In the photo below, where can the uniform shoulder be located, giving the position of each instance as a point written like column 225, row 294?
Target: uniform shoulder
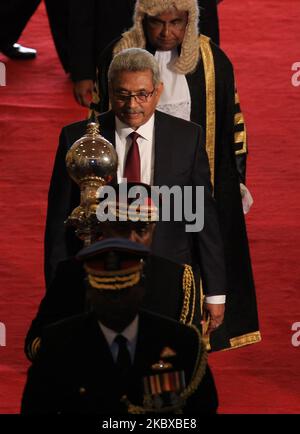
column 161, row 263
column 68, row 272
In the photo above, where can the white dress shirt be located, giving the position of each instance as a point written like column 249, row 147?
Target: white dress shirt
column 130, row 333
column 146, row 148
column 175, row 99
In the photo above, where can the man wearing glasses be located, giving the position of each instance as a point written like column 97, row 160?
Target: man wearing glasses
column 153, row 148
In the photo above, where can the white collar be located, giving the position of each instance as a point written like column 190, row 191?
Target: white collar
column 176, row 97
column 145, row 130
column 130, row 332
column 167, row 57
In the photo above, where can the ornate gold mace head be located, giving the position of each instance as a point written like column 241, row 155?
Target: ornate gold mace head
column 91, row 162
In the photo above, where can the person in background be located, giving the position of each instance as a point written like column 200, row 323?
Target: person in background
column 15, row 14
column 92, row 26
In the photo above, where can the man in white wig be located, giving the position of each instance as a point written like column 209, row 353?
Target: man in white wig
column 199, row 85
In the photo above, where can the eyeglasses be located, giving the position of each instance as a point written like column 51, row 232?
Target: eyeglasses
column 140, row 97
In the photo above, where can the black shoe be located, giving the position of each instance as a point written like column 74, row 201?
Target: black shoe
column 16, row 51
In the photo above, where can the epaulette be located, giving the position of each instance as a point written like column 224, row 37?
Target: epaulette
column 189, row 296
column 33, row 348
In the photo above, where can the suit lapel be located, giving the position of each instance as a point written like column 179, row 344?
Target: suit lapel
column 107, row 127
column 162, row 150
column 95, row 373
column 97, row 354
column 108, row 131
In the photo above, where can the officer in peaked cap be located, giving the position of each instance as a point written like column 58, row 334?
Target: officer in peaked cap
column 169, row 287
column 118, row 358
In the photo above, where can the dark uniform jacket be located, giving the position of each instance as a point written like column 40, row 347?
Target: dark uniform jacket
column 75, row 372
column 66, row 295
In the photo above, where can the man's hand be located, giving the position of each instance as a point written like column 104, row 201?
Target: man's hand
column 247, row 199
column 83, row 92
column 216, row 314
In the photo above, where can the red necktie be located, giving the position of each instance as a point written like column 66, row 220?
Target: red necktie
column 132, row 169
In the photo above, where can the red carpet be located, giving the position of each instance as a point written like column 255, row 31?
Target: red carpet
column 262, row 40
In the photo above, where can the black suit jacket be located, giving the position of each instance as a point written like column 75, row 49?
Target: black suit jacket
column 92, row 25
column 75, row 372
column 180, row 159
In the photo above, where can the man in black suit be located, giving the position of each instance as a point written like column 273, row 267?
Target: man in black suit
column 171, row 154
column 88, row 363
